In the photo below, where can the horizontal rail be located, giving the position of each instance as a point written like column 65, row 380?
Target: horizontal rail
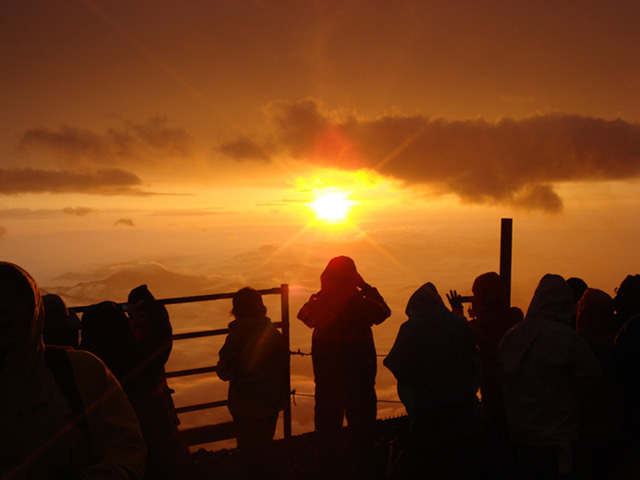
column 191, row 371
column 201, row 406
column 210, row 333
column 191, row 299
column 203, row 333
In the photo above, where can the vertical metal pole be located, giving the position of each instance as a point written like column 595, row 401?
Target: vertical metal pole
column 286, row 333
column 506, row 247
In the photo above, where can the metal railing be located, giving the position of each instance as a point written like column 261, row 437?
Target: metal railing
column 224, row 431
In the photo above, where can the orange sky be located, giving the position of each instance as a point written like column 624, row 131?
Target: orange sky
column 143, row 140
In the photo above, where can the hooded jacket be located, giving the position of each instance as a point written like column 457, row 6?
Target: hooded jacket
column 38, row 438
column 341, row 315
column 253, row 359
column 345, row 308
column 545, row 367
column 434, row 357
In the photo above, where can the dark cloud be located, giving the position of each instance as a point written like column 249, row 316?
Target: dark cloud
column 244, row 148
column 78, row 211
column 513, row 162
column 128, row 222
column 139, row 142
column 110, row 181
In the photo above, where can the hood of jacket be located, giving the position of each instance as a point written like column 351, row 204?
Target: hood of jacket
column 19, row 362
column 596, row 320
column 551, row 310
column 425, row 302
column 553, row 301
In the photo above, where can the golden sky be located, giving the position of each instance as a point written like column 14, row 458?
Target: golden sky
column 150, row 139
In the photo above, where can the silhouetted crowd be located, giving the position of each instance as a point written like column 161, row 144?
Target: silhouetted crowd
column 550, row 394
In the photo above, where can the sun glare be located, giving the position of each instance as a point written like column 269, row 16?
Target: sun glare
column 331, row 206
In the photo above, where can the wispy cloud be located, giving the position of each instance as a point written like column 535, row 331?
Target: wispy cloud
column 127, row 222
column 78, row 211
column 131, row 143
column 108, row 181
column 513, row 162
column 243, row 148
column 3, row 231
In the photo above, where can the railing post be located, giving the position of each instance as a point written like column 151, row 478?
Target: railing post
column 506, row 250
column 286, row 333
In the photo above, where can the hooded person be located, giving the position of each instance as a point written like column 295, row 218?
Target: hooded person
column 61, row 326
column 344, row 360
column 68, row 421
column 597, row 448
column 106, row 332
column 546, row 367
column 168, row 454
column 435, row 361
column 254, row 360
column 627, row 299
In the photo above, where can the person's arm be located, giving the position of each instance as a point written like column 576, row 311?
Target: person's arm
column 117, row 445
column 308, row 311
column 226, row 361
column 377, row 309
column 455, row 301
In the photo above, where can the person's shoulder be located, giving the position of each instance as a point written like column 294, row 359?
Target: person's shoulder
column 86, row 363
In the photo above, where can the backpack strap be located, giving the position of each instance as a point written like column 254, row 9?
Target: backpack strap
column 62, row 371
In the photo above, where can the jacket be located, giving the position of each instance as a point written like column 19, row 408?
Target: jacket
column 254, row 359
column 38, row 436
column 434, row 357
column 545, row 367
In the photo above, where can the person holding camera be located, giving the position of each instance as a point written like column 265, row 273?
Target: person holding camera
column 344, row 361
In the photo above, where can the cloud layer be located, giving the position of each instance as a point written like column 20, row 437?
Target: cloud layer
column 138, row 143
column 77, row 160
column 513, row 162
column 109, row 181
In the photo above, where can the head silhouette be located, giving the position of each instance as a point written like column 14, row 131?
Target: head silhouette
column 20, row 308
column 627, row 299
column 247, row 303
column 489, row 293
column 340, row 274
column 578, row 286
column 61, row 327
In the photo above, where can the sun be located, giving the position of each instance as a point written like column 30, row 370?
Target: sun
column 331, row 206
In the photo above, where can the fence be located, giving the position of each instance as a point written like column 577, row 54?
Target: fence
column 223, row 431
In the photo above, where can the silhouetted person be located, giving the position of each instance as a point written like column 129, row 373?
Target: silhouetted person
column 106, row 334
column 63, row 414
column 626, row 360
column 168, row 455
column 578, row 286
column 598, row 446
column 491, row 316
column 344, row 362
column 254, row 359
column 61, row 326
column 627, row 299
column 546, row 366
column 435, row 361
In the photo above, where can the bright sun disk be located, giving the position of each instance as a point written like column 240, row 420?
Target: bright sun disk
column 332, row 206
